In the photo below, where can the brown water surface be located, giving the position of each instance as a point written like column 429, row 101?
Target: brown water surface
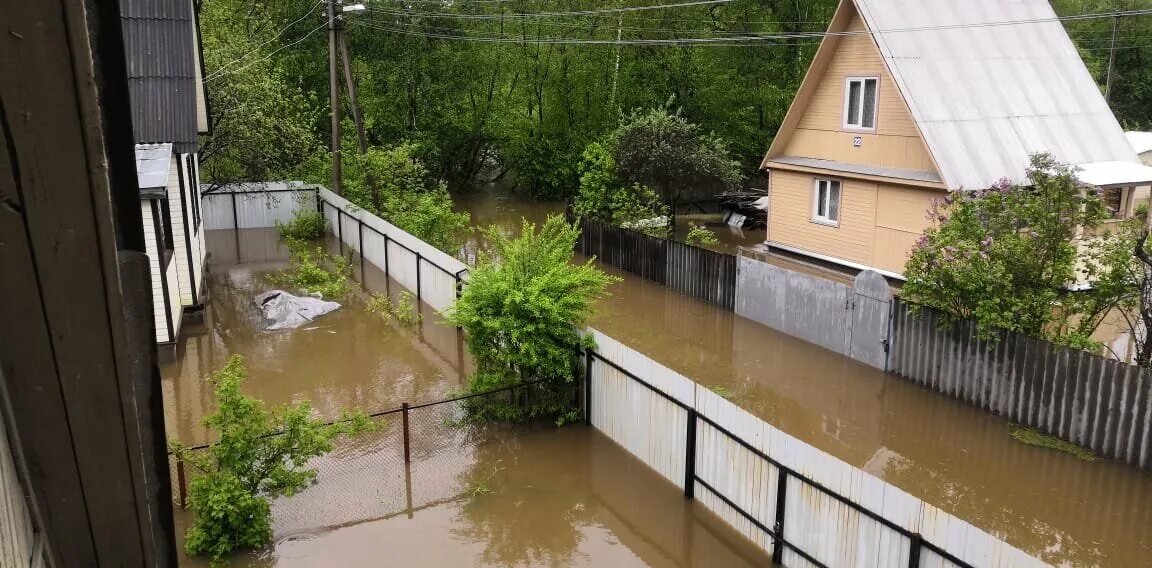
column 954, row 456
column 472, row 496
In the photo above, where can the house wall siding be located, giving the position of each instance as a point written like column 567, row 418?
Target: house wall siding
column 896, row 142
column 158, row 304
column 879, row 222
column 176, row 207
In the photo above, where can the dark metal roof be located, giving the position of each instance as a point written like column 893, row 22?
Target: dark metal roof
column 159, row 39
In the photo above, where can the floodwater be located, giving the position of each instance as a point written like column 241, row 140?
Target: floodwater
column 1066, row 511
column 472, row 496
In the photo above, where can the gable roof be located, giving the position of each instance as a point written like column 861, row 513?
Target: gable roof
column 159, row 46
column 1141, row 141
column 985, row 97
column 988, row 83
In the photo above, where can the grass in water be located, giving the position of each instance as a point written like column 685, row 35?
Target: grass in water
column 1034, row 437
column 723, row 392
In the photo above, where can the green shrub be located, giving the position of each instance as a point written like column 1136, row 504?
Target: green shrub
column 314, row 271
column 521, row 314
column 698, row 235
column 260, row 454
column 404, row 310
column 305, row 225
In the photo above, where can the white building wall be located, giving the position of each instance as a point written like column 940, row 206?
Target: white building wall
column 158, row 305
column 176, row 201
column 200, row 247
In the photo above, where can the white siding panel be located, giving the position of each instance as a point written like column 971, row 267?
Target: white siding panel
column 823, row 526
column 151, row 249
column 174, row 297
column 176, row 205
column 396, row 252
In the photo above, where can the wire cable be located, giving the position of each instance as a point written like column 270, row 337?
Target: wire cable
column 218, row 75
column 265, row 42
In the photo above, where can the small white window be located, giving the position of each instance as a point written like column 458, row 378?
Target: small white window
column 826, row 202
column 860, row 103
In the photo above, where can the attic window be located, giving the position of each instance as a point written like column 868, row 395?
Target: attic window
column 860, row 103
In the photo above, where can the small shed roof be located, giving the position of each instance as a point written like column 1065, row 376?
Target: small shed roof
column 990, row 82
column 1114, row 174
column 152, row 164
column 1140, row 141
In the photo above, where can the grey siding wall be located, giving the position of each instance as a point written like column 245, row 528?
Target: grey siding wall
column 850, row 320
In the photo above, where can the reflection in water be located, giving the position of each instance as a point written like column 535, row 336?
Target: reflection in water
column 556, row 497
column 490, row 496
column 954, row 456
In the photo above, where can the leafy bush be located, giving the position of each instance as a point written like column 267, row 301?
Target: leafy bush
column 306, row 225
column 259, row 454
column 1004, row 256
column 394, row 184
column 603, row 198
column 404, row 310
column 521, row 314
column 314, row 271
column 698, row 235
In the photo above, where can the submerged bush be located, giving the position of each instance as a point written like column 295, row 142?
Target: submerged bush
column 698, row 235
column 314, row 271
column 305, row 225
column 521, row 311
column 404, row 310
column 260, row 454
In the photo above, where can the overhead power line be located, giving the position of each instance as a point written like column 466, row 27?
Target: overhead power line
column 217, row 75
column 258, row 47
column 514, row 15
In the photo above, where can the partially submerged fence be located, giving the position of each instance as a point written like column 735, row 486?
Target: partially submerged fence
column 433, row 275
column 1095, row 402
column 698, row 272
column 850, row 320
column 801, row 505
column 421, row 455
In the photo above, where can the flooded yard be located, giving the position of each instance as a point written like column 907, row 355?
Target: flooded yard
column 1066, row 511
column 492, row 496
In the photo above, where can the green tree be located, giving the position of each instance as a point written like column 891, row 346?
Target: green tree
column 394, row 183
column 259, row 454
column 1005, row 256
column 1120, row 267
column 603, row 197
column 662, row 150
column 521, row 310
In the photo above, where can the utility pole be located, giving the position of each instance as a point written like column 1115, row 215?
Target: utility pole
column 350, row 84
column 1111, row 60
column 334, row 94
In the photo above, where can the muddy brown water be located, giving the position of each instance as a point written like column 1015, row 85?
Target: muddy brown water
column 956, row 457
column 536, row 496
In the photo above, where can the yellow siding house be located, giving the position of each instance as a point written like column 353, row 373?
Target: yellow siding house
column 908, row 99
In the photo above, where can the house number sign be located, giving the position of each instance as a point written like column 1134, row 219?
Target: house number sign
column 857, row 141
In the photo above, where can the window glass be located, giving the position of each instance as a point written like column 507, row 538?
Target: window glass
column 854, row 102
column 833, row 201
column 868, row 116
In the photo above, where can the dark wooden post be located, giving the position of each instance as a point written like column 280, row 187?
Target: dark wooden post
column 407, row 442
column 182, row 481
column 690, row 456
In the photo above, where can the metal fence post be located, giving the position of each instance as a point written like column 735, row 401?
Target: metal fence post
column 407, row 443
column 778, row 528
column 588, row 386
column 387, row 272
column 340, row 228
column 419, row 295
column 360, row 227
column 182, row 482
column 690, row 456
column 915, row 543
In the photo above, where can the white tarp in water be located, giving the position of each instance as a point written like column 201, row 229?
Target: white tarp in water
column 286, row 311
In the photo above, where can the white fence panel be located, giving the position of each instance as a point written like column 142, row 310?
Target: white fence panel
column 830, row 507
column 422, row 268
column 249, row 207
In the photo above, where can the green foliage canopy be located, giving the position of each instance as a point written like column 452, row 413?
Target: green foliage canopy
column 1005, row 256
column 521, row 310
column 260, row 453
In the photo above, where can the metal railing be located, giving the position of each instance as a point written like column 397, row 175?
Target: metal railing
column 917, row 544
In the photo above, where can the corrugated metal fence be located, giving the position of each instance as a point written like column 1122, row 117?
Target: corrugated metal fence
column 799, row 504
column 698, row 272
column 433, row 275
column 1092, row 401
column 850, row 320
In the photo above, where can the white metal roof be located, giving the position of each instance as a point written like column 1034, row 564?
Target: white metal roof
column 985, row 97
column 1114, row 174
column 152, row 163
column 1141, row 141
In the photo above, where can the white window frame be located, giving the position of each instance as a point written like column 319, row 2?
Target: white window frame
column 875, row 104
column 825, row 219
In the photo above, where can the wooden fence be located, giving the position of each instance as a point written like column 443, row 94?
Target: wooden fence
column 1095, row 402
column 698, row 272
column 797, row 503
